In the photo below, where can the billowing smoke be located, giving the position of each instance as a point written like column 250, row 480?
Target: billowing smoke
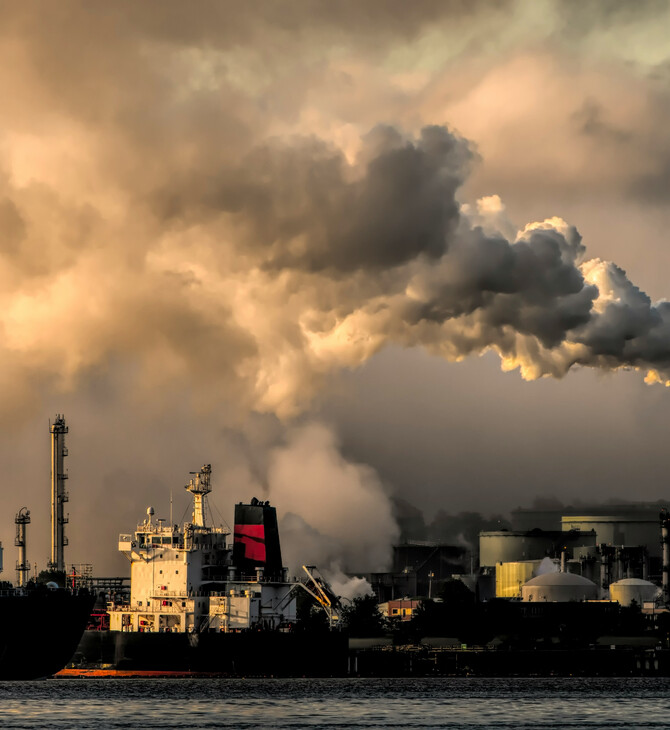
column 307, row 264
column 295, row 263
column 202, row 209
column 165, row 209
column 334, row 514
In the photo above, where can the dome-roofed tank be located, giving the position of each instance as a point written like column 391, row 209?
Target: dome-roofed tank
column 561, row 587
column 633, row 589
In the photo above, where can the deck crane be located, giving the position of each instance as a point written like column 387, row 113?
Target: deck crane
column 321, row 592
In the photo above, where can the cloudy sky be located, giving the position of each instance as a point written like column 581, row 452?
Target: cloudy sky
column 347, row 253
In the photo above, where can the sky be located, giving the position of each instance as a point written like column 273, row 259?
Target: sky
column 354, row 255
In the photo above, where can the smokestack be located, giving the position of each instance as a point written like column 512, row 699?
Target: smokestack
column 58, row 494
column 256, row 540
column 665, row 542
column 22, row 564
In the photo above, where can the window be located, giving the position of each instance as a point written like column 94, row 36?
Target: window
column 176, row 572
column 161, row 572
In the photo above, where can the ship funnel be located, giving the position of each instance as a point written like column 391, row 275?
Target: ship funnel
column 256, row 541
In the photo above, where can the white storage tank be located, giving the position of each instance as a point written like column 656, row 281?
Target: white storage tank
column 633, row 589
column 559, row 587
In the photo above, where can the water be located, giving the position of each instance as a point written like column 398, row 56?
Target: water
column 335, row 703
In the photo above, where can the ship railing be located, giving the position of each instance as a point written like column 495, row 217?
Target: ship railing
column 157, row 595
column 5, row 592
column 120, row 608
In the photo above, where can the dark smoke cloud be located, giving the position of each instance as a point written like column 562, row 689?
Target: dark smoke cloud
column 193, row 208
column 305, row 214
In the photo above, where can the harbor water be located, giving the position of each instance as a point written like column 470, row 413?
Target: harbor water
column 336, row 703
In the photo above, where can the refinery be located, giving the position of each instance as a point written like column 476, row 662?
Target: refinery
column 565, row 591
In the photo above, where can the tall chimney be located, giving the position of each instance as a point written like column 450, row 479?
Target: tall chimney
column 22, row 565
column 665, row 542
column 59, row 496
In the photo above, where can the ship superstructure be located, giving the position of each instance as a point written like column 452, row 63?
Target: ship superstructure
column 184, row 578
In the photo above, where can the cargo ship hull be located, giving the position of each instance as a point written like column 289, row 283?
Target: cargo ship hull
column 39, row 631
column 254, row 653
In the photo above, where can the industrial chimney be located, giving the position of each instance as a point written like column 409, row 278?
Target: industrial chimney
column 665, row 542
column 22, row 565
column 59, row 496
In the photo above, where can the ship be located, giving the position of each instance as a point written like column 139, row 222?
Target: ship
column 40, row 628
column 205, row 601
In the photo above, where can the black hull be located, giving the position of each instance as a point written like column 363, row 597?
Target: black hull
column 39, row 632
column 247, row 654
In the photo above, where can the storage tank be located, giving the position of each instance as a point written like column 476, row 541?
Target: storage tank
column 559, row 587
column 633, row 589
column 511, row 546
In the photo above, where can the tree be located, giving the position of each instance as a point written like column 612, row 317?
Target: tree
column 52, row 576
column 363, row 618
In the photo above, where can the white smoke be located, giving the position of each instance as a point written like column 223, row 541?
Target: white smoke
column 334, row 514
column 547, row 565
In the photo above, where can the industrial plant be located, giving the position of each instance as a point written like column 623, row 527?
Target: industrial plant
column 553, row 593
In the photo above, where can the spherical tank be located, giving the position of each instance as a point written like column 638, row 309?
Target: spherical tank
column 633, row 589
column 559, row 587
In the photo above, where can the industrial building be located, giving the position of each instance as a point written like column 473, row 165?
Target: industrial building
column 614, row 524
column 419, row 569
column 402, row 609
column 605, row 564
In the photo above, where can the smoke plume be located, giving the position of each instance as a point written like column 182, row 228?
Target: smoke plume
column 307, row 264
column 214, row 211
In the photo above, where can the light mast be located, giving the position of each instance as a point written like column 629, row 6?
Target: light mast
column 199, row 487
column 22, row 565
column 59, row 496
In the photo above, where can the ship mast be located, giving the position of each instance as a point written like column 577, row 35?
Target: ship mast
column 59, row 496
column 199, row 487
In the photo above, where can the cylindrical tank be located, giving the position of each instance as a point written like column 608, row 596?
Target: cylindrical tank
column 633, row 589
column 559, row 587
column 510, row 546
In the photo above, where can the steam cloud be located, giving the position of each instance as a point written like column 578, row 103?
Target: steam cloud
column 179, row 211
column 307, row 264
